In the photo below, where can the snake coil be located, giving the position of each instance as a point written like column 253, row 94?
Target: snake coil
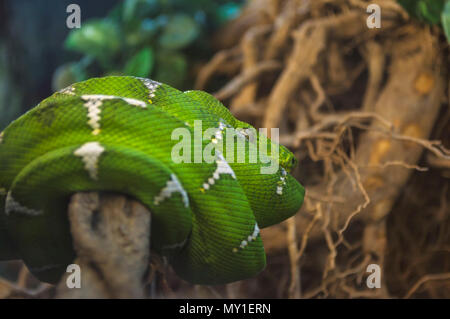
column 118, row 134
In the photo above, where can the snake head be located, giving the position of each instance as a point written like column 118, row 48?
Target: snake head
column 288, row 161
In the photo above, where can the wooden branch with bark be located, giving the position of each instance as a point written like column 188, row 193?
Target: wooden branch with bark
column 111, row 236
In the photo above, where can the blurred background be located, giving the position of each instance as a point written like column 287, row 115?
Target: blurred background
column 366, row 111
column 165, row 40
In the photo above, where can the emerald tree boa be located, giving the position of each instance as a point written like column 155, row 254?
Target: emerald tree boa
column 128, row 135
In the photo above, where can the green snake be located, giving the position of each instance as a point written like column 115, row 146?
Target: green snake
column 116, row 134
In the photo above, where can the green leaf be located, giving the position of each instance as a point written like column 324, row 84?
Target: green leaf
column 228, row 11
column 144, row 33
column 424, row 10
column 180, row 31
column 99, row 38
column 445, row 18
column 430, row 11
column 171, row 68
column 129, row 9
column 138, row 9
column 141, row 64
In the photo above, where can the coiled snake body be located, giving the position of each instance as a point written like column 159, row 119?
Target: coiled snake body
column 116, row 134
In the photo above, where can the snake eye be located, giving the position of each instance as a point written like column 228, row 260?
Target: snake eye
column 293, row 162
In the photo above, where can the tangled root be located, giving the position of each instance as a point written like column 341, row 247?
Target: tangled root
column 358, row 107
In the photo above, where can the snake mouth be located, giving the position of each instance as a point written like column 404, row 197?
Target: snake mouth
column 188, row 238
column 176, row 248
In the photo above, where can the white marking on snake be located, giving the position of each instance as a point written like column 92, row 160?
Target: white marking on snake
column 241, row 134
column 1, row 137
column 101, row 97
column 93, row 106
column 93, row 103
column 173, row 185
column 151, row 85
column 174, row 246
column 282, row 182
column 90, row 153
column 70, row 90
column 12, row 206
column 222, row 168
column 249, row 239
column 135, row 102
column 244, row 133
column 219, row 133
